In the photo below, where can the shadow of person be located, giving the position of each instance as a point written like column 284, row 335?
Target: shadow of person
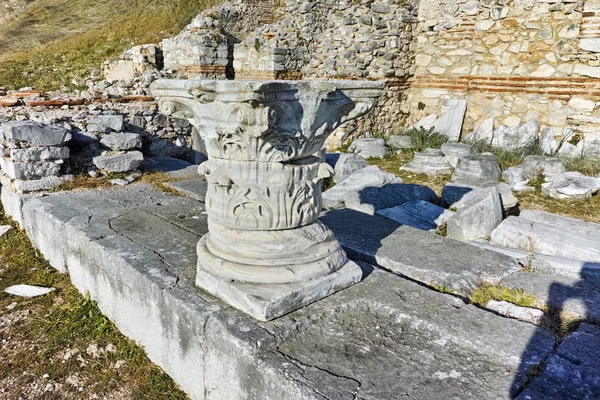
column 572, row 370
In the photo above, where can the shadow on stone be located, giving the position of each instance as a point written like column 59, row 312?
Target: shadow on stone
column 572, row 371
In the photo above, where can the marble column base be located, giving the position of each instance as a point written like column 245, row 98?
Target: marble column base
column 267, row 301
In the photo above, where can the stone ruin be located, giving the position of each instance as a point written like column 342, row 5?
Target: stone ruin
column 251, row 231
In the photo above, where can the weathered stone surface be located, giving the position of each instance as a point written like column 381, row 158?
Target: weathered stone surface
column 515, row 176
column 525, row 314
column 523, row 234
column 423, row 256
column 545, row 264
column 483, row 133
column 451, row 121
column 567, row 223
column 39, row 154
column 28, row 290
column 455, row 151
column 122, row 141
column 370, row 148
column 29, row 170
column 194, row 188
column 113, row 122
column 36, row 185
column 547, row 166
column 477, row 170
column 419, row 214
column 372, row 199
column 573, row 371
column 430, row 162
column 368, row 177
column 400, row 142
column 571, row 185
column 516, row 137
column 347, row 164
column 119, row 162
column 34, row 133
column 173, row 167
column 150, row 249
column 427, row 122
column 480, row 212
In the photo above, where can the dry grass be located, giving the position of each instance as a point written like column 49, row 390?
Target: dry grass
column 84, row 182
column 60, row 346
column 53, row 41
column 586, row 210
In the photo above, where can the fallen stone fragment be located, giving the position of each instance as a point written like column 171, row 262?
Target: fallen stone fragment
column 34, row 133
column 370, row 148
column 483, row 133
column 571, row 185
column 451, row 121
column 567, row 223
column 400, row 142
column 525, row 314
column 452, row 194
column 419, row 214
column 371, row 176
column 479, row 214
column 347, row 164
column 8, row 102
column 453, row 152
column 122, row 141
column 521, row 233
column 547, row 166
column 515, row 176
column 426, row 123
column 28, row 290
column 430, row 162
column 477, row 170
column 516, row 137
column 120, row 162
column 4, row 229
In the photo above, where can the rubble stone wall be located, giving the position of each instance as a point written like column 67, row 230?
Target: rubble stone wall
column 514, row 61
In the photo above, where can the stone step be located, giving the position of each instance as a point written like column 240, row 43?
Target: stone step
column 567, row 223
column 523, row 234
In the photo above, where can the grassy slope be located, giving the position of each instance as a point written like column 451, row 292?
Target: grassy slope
column 53, row 41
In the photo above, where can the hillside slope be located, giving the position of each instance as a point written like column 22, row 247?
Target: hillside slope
column 48, row 43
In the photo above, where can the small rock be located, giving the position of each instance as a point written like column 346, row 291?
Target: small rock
column 120, row 162
column 525, row 314
column 4, row 229
column 122, row 141
column 28, row 290
column 119, row 182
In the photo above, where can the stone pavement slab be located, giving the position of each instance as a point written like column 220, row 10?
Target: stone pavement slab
column 422, row 256
column 194, row 188
column 132, row 248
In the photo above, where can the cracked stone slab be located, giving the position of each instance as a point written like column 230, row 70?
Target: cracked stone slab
column 120, row 245
column 419, row 255
column 573, row 371
column 396, row 338
column 193, row 188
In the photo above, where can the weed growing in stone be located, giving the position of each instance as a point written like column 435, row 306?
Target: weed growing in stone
column 483, row 294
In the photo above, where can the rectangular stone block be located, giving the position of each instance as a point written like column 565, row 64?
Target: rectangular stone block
column 39, row 154
column 30, row 170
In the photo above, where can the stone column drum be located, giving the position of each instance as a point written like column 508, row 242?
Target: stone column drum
column 266, row 252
